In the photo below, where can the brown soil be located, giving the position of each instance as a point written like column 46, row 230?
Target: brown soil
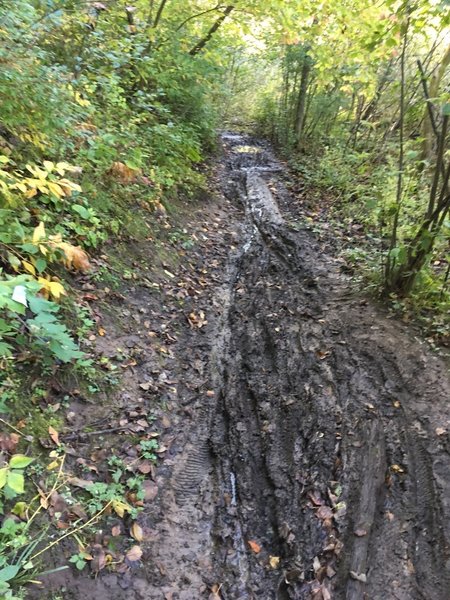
column 319, row 468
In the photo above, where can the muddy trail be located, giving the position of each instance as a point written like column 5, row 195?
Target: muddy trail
column 317, row 464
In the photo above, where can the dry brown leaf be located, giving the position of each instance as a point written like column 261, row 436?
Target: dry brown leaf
column 77, row 482
column 54, row 435
column 75, row 257
column 324, row 512
column 122, row 172
column 145, row 467
column 99, row 558
column 9, row 442
column 360, row 532
column 256, row 548
column 136, row 532
column 150, row 490
column 215, row 592
column 134, row 553
column 116, row 530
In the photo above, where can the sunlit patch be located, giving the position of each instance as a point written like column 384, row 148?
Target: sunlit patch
column 248, row 149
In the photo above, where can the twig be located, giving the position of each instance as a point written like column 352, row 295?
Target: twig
column 12, row 426
column 69, row 533
column 74, row 436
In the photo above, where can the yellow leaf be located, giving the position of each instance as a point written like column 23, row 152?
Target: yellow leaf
column 53, row 465
column 22, row 187
column 274, row 562
column 49, row 165
column 56, row 290
column 39, row 233
column 29, row 267
column 43, row 249
column 32, row 192
column 56, row 189
column 120, row 507
column 52, row 288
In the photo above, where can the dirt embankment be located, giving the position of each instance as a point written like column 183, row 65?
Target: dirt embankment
column 319, row 467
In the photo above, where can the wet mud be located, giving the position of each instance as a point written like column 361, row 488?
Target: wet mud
column 311, row 452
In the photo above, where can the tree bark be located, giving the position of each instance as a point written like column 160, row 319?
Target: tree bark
column 301, row 103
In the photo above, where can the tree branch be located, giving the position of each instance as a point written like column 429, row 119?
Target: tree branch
column 205, row 12
column 202, row 43
column 159, row 14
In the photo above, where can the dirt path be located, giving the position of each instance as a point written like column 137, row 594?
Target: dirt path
column 319, row 467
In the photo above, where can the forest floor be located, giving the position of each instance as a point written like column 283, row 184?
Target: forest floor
column 305, row 433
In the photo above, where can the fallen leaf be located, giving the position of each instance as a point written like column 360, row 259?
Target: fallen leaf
column 8, row 442
column 150, row 490
column 134, row 554
column 54, row 435
column 397, row 469
column 145, row 467
column 136, row 532
column 316, row 564
column 81, row 483
column 99, row 558
column 116, row 530
column 256, row 548
column 101, row 331
column 358, row 576
column 324, row 512
column 120, row 508
column 274, row 562
column 325, row 593
column 53, row 465
column 360, row 532
column 215, row 592
column 440, row 431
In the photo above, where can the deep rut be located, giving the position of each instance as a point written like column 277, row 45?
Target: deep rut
column 326, row 423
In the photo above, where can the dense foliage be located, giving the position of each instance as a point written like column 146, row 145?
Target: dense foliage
column 364, row 86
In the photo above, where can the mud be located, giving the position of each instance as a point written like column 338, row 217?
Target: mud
column 319, row 469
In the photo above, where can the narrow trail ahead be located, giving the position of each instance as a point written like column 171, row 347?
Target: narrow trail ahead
column 326, row 443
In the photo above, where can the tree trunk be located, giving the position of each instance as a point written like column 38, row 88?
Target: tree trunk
column 301, row 102
column 435, row 82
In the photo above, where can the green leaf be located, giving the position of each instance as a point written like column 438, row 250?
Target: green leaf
column 41, row 265
column 16, row 482
column 446, row 109
column 20, row 461
column 3, row 476
column 9, row 572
